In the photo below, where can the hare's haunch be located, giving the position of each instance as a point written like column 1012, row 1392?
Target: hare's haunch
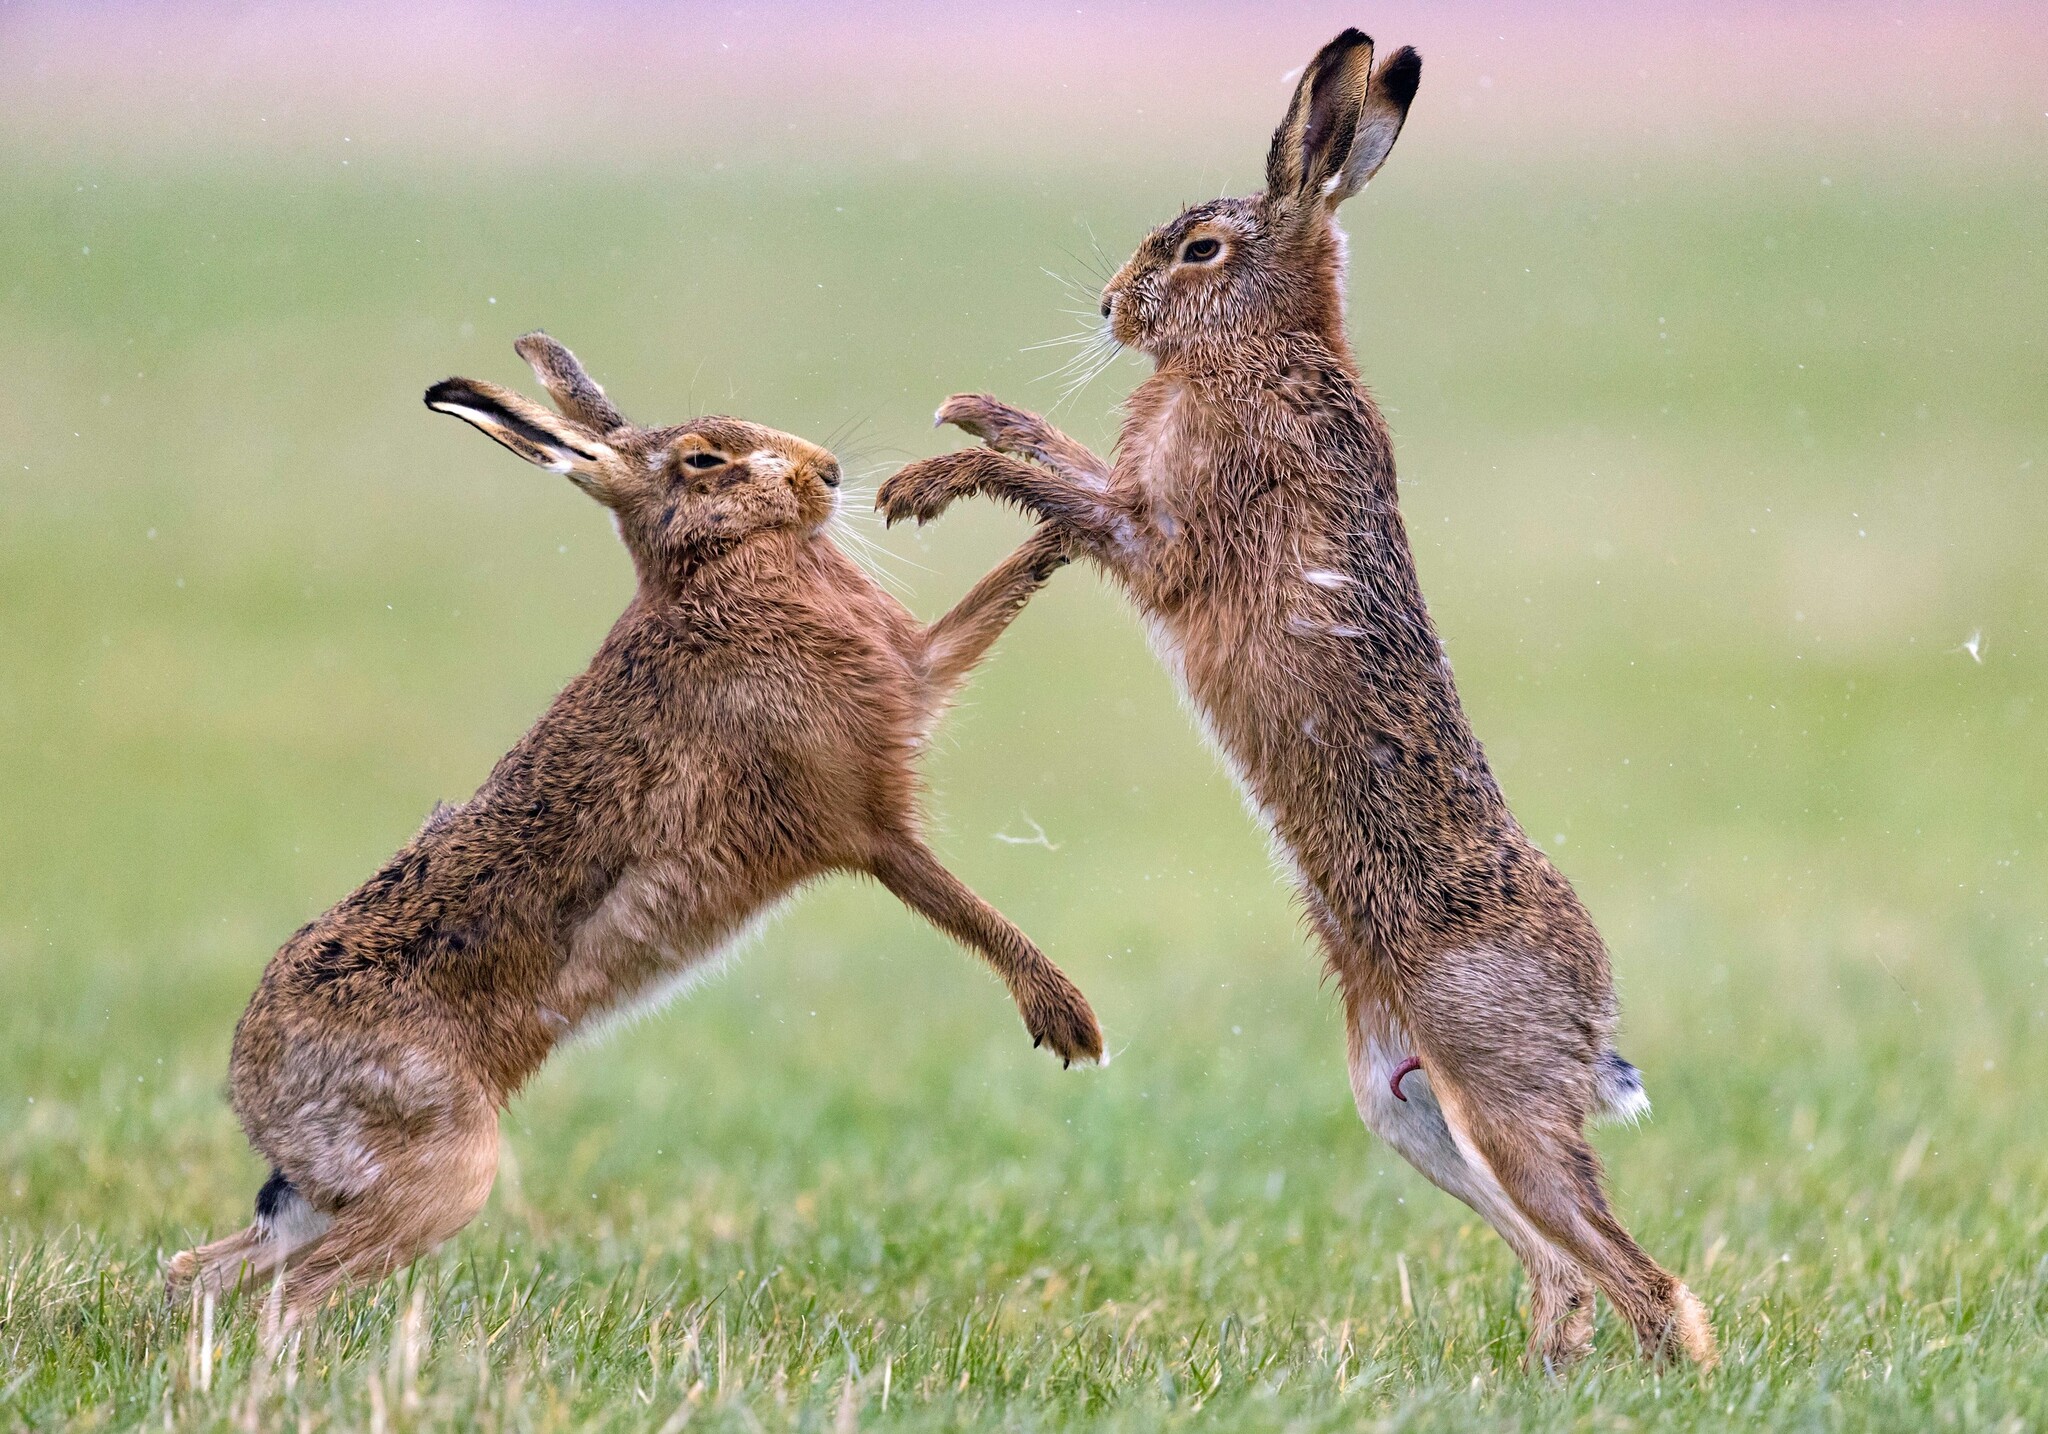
column 1251, row 514
column 750, row 723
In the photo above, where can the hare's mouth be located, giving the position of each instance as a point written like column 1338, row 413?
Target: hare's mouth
column 825, row 515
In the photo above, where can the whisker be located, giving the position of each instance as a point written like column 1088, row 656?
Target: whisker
column 872, row 556
column 1082, row 362
column 845, row 431
column 1061, row 342
column 1080, row 358
column 1075, row 291
column 1087, row 264
column 1107, row 356
column 1096, row 245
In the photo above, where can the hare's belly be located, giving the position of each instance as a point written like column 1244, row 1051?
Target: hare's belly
column 652, row 938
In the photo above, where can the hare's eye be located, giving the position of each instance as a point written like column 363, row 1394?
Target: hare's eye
column 1200, row 251
column 701, row 459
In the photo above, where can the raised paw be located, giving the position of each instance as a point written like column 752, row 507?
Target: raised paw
column 1061, row 1018
column 1001, row 427
column 920, row 491
column 1017, row 434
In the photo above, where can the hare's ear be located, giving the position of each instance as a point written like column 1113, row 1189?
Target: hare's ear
column 1379, row 122
column 1309, row 148
column 575, row 392
column 559, row 445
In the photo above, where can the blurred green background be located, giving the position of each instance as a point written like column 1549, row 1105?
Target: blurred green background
column 1726, row 486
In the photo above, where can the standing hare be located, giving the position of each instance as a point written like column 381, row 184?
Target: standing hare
column 1251, row 515
column 750, row 723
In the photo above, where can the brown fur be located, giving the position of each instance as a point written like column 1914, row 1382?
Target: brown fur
column 750, row 724
column 1251, row 514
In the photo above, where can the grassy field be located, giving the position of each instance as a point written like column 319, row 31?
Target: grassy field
column 1713, row 477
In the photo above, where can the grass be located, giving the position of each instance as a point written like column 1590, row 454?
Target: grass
column 1711, row 476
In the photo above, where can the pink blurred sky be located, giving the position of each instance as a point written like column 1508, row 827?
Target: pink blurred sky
column 620, row 84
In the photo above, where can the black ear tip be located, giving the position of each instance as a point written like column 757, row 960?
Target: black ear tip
column 1402, row 75
column 1343, row 45
column 448, row 390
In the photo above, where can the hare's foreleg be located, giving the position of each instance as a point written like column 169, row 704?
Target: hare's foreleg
column 1400, row 1107
column 1514, row 1095
column 957, row 641
column 1023, row 435
column 1086, row 512
column 1054, row 1010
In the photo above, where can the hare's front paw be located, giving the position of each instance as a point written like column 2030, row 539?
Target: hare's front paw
column 1061, row 1018
column 921, row 491
column 1001, row 427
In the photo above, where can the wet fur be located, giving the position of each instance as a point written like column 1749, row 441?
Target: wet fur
column 751, row 723
column 1251, row 513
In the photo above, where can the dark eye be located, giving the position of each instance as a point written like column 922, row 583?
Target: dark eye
column 701, row 459
column 1200, row 251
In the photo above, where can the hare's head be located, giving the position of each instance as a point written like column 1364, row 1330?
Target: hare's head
column 682, row 494
column 1271, row 262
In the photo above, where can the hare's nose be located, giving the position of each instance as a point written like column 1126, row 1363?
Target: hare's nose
column 828, row 472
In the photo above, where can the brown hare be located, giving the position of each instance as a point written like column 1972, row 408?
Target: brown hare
column 1251, row 515
column 750, row 723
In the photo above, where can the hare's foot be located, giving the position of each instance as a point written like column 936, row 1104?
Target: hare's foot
column 1560, row 1318
column 1000, row 426
column 1022, row 435
column 921, row 491
column 1059, row 1016
column 1083, row 509
column 285, row 1225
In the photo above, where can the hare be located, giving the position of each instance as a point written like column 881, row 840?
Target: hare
column 750, row 723
column 1251, row 514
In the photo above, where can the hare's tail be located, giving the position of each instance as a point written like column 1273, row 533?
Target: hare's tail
column 1618, row 1087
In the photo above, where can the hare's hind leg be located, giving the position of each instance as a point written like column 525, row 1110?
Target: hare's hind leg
column 424, row 1192
column 1398, row 1104
column 284, row 1225
column 1514, row 1095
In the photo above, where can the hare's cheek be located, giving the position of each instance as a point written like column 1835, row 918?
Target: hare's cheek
column 688, row 522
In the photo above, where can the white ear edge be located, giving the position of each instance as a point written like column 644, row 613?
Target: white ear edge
column 565, row 459
column 467, row 414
